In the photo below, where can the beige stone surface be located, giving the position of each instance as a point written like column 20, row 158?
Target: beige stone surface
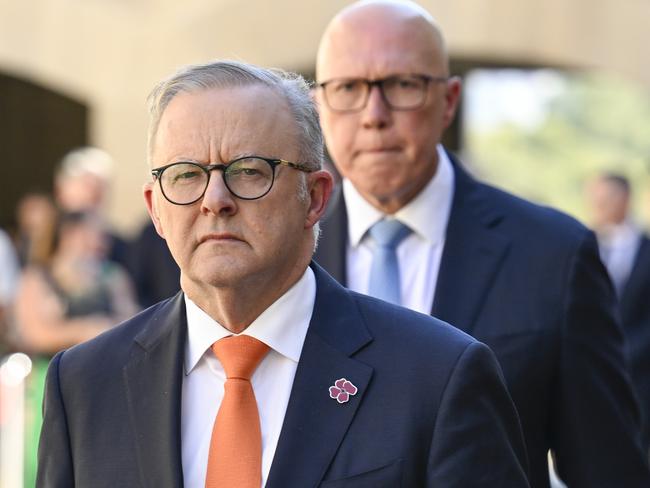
column 108, row 53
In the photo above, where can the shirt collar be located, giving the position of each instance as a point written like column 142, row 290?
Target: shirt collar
column 619, row 234
column 283, row 326
column 427, row 214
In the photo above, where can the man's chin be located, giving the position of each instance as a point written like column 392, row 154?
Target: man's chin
column 373, row 159
column 220, row 270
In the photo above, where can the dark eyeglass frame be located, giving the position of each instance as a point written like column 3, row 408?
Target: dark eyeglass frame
column 379, row 83
column 208, row 168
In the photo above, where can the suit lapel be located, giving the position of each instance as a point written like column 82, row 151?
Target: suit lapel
column 471, row 256
column 153, row 380
column 314, row 423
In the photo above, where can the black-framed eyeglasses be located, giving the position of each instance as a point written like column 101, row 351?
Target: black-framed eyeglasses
column 399, row 92
column 248, row 178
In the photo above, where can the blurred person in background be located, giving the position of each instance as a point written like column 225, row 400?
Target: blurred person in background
column 81, row 184
column 625, row 250
column 8, row 281
column 72, row 296
column 35, row 217
column 619, row 238
column 525, row 280
column 78, row 294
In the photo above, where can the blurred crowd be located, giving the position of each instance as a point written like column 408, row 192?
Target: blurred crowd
column 68, row 276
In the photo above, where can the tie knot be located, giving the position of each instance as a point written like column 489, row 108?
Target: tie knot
column 239, row 355
column 389, row 233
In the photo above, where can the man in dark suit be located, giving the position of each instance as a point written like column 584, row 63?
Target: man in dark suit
column 81, row 184
column 635, row 317
column 264, row 371
column 625, row 251
column 525, row 280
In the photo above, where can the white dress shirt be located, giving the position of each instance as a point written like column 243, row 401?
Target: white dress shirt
column 618, row 246
column 283, row 327
column 418, row 254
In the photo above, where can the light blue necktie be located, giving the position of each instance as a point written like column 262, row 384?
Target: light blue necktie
column 384, row 273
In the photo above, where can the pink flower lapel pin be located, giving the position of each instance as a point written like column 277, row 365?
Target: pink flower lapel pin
column 342, row 390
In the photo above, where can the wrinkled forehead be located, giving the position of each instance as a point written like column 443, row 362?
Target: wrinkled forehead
column 224, row 101
column 218, row 123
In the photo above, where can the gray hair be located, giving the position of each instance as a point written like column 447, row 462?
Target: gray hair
column 230, row 74
column 84, row 160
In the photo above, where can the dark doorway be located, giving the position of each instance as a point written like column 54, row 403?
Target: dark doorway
column 37, row 127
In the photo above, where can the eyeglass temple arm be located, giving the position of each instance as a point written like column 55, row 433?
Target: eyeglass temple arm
column 297, row 166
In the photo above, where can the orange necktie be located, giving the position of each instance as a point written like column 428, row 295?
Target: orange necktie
column 235, row 457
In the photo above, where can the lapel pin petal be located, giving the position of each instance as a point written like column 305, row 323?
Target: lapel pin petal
column 342, row 390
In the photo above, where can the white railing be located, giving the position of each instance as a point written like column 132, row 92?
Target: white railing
column 14, row 370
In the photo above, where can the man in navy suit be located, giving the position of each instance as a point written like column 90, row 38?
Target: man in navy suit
column 523, row 279
column 635, row 317
column 625, row 251
column 353, row 391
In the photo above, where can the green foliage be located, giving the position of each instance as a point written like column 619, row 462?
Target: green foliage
column 594, row 123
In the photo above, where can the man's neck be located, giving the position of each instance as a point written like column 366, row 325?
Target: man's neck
column 393, row 203
column 236, row 306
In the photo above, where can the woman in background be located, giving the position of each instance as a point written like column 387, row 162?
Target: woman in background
column 76, row 294
column 67, row 297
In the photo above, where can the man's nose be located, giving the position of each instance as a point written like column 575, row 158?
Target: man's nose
column 217, row 198
column 376, row 113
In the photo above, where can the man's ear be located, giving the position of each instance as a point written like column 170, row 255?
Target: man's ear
column 320, row 188
column 452, row 97
column 151, row 201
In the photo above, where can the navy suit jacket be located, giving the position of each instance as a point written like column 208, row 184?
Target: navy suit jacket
column 431, row 408
column 528, row 282
column 635, row 317
column 155, row 274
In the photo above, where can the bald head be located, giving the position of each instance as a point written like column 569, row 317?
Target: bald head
column 367, row 28
column 388, row 152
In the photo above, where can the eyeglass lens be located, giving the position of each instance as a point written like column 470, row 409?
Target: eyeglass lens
column 248, row 178
column 400, row 92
